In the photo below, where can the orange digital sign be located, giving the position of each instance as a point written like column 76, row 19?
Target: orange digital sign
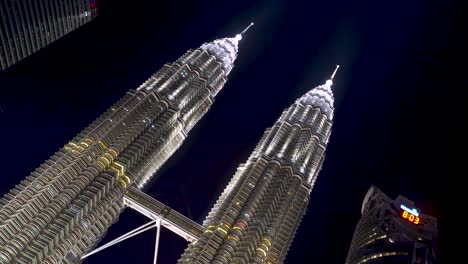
column 410, row 217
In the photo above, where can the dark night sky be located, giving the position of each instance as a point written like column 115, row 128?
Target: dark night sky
column 394, row 104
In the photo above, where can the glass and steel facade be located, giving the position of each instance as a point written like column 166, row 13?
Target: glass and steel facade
column 29, row 25
column 384, row 235
column 65, row 206
column 255, row 218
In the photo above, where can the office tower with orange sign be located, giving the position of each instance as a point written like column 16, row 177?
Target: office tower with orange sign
column 393, row 231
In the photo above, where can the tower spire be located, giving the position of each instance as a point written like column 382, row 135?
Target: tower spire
column 329, row 82
column 247, row 28
column 239, row 36
column 336, row 69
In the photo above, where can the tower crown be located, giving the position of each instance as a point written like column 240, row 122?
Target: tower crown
column 321, row 97
column 225, row 49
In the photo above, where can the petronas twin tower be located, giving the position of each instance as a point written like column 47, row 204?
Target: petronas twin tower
column 257, row 215
column 63, row 209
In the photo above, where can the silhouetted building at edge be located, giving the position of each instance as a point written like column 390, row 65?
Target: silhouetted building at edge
column 393, row 231
column 28, row 26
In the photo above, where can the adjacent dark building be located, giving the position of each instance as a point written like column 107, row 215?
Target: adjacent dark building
column 393, row 231
column 29, row 25
column 256, row 217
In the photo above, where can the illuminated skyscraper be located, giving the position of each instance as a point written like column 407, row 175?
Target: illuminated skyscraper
column 393, row 231
column 64, row 208
column 27, row 26
column 257, row 215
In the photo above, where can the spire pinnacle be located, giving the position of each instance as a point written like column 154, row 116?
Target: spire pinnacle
column 247, row 28
column 330, row 81
column 336, row 69
column 239, row 36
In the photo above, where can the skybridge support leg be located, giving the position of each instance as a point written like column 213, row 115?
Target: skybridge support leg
column 130, row 234
column 156, row 246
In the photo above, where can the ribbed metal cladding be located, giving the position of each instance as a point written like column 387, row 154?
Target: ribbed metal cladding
column 29, row 25
column 255, row 218
column 64, row 207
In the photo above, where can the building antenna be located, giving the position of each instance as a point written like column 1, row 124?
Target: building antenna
column 336, row 69
column 247, row 28
column 329, row 82
column 239, row 36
